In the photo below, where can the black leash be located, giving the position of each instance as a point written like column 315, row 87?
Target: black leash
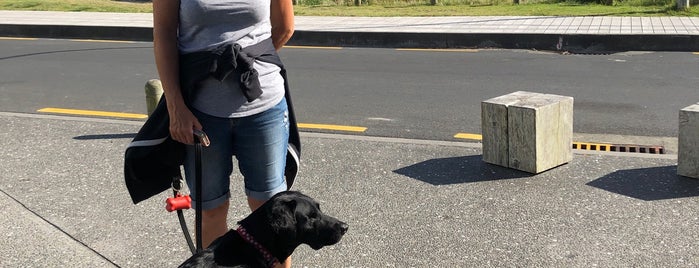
column 180, row 202
column 200, row 139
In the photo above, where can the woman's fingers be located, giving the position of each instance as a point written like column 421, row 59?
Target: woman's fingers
column 182, row 127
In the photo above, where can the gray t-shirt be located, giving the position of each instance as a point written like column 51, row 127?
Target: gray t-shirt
column 207, row 24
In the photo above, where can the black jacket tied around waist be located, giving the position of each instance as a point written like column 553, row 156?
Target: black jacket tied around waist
column 153, row 158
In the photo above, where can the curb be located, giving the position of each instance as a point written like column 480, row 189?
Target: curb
column 144, row 34
column 556, row 42
column 576, row 43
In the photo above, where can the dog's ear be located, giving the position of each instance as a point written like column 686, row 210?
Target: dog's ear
column 283, row 217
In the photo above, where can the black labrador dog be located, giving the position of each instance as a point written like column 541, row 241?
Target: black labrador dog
column 271, row 233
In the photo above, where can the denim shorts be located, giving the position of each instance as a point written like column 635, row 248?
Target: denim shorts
column 259, row 143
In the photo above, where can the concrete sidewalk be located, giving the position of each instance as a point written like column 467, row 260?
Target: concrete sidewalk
column 582, row 34
column 409, row 203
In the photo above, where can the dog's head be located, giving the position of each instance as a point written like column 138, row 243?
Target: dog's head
column 299, row 218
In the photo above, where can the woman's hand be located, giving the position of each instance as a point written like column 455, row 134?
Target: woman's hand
column 182, row 123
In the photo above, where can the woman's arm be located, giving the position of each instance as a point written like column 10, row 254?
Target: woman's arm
column 165, row 26
column 282, row 19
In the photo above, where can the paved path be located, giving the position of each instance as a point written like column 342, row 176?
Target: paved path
column 409, row 203
column 458, row 24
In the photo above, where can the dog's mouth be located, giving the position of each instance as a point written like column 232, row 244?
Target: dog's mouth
column 326, row 242
column 330, row 236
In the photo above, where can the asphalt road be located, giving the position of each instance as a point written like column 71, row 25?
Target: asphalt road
column 394, row 93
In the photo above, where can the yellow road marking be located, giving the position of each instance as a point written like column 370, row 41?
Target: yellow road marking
column 100, row 41
column 92, row 113
column 576, row 145
column 313, row 47
column 143, row 116
column 437, row 49
column 74, row 40
column 18, row 38
column 331, row 127
column 469, row 136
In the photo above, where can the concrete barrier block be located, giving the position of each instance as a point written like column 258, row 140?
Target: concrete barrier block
column 528, row 131
column 688, row 142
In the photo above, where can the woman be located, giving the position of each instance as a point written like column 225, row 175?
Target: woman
column 252, row 126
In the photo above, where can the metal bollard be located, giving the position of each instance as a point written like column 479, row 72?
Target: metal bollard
column 154, row 90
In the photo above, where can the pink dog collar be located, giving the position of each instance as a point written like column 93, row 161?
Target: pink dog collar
column 271, row 260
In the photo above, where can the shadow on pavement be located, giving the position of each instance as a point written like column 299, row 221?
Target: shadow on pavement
column 454, row 170
column 649, row 184
column 106, row 136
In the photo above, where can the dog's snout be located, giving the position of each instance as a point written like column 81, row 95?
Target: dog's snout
column 343, row 228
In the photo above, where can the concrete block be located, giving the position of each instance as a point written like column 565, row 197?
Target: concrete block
column 688, row 142
column 528, row 131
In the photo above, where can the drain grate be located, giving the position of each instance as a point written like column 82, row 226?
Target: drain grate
column 624, row 148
